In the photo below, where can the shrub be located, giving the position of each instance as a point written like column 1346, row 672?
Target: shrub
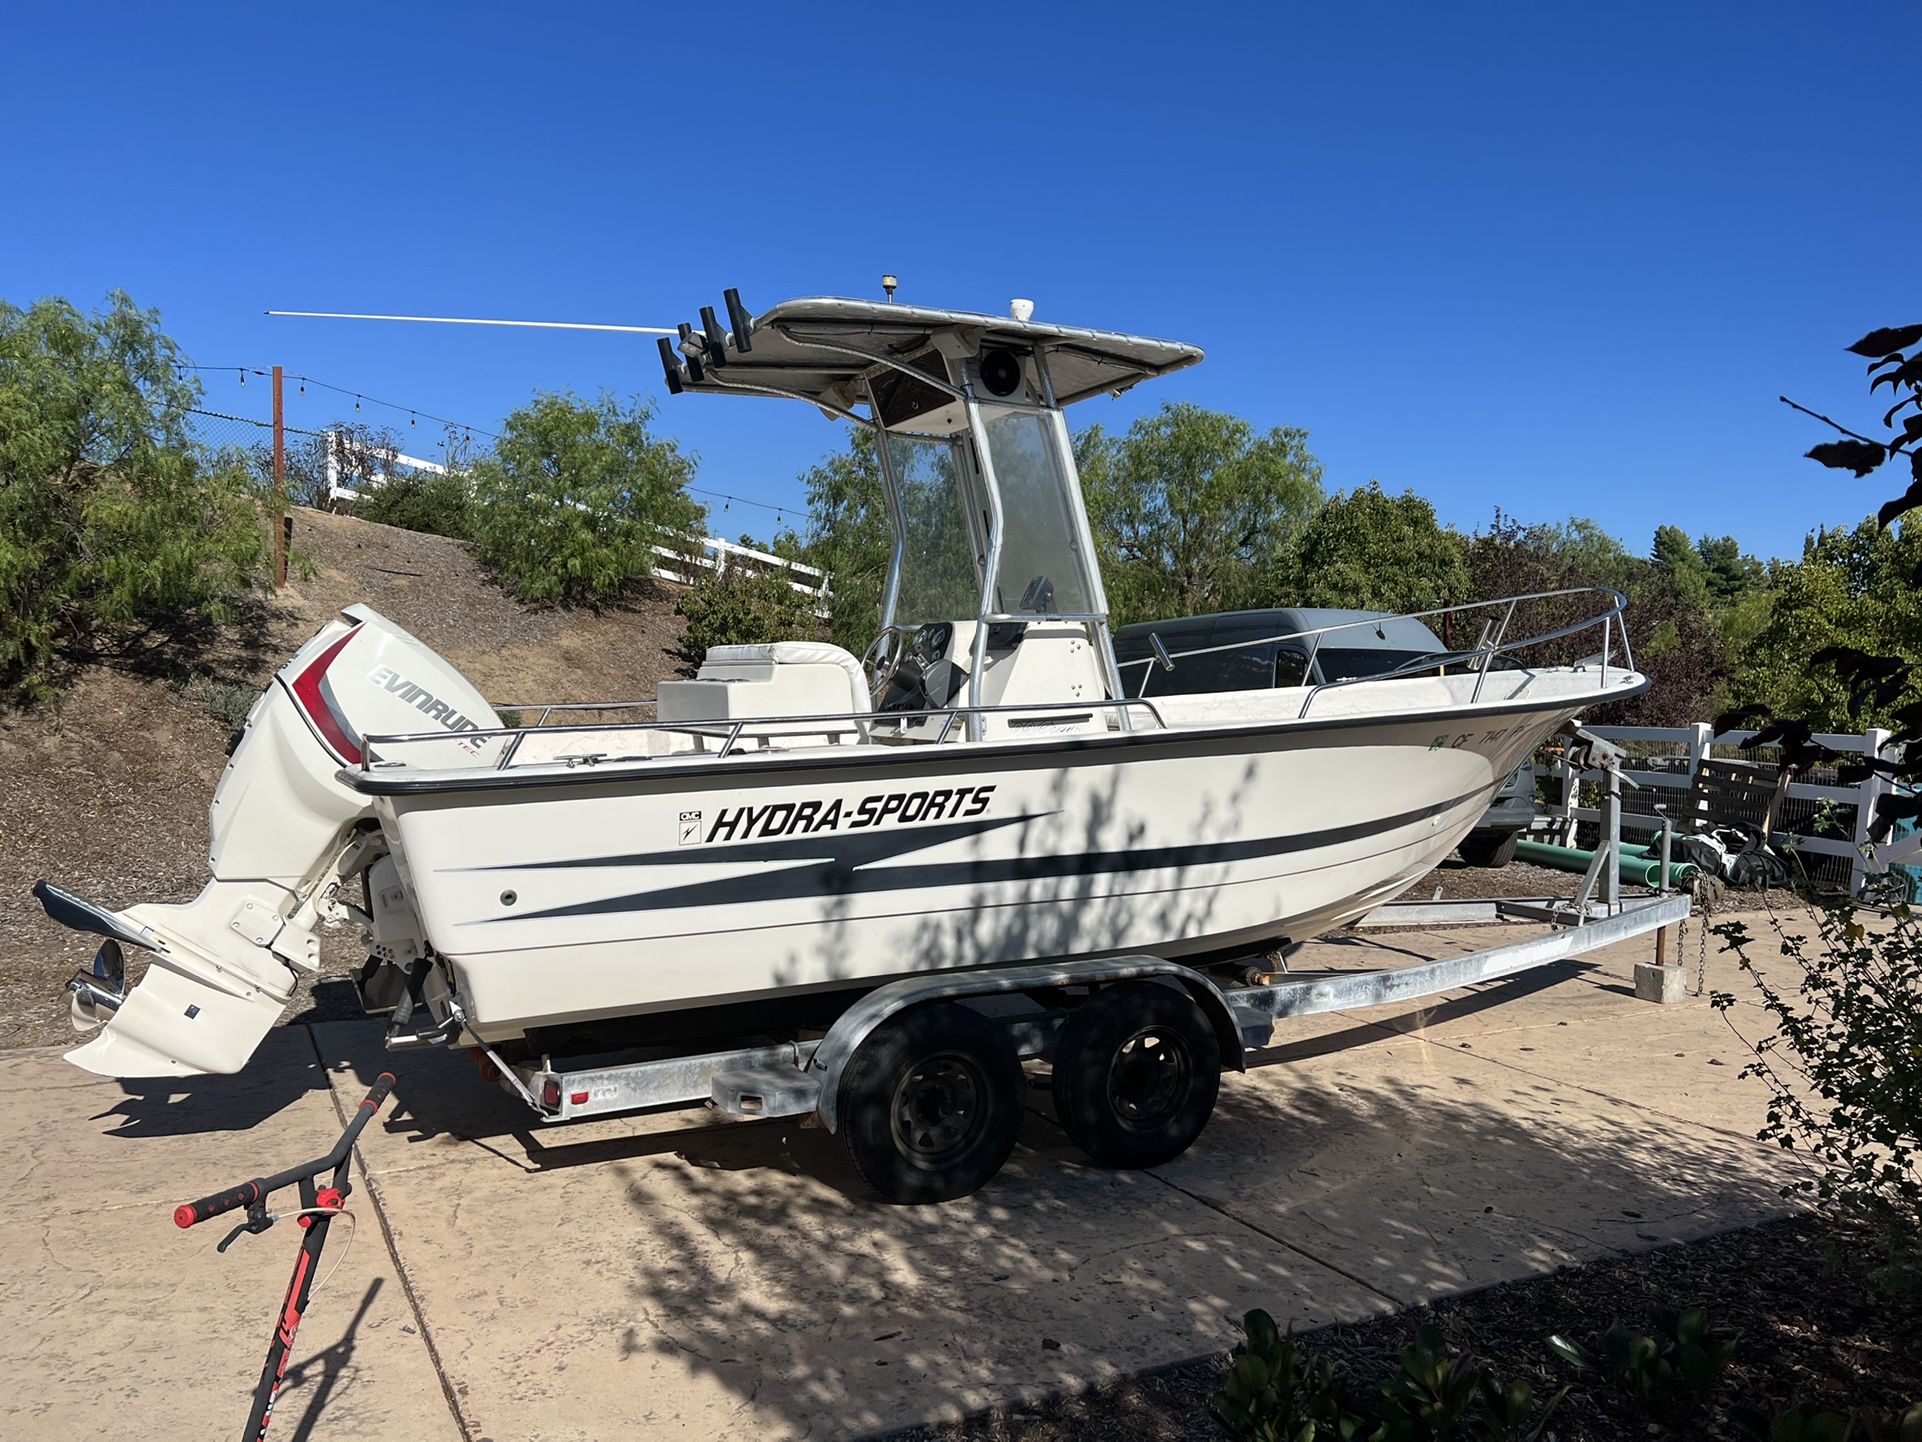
column 1844, row 1066
column 115, row 534
column 421, row 501
column 1273, row 1393
column 227, row 702
column 575, row 497
column 1673, row 1365
column 743, row 607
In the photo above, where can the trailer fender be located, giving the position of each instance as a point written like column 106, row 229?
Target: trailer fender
column 837, row 1048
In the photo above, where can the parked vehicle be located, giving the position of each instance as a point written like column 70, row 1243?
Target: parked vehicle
column 859, row 889
column 1286, row 646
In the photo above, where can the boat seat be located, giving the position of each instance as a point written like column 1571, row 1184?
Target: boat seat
column 753, row 660
column 784, row 678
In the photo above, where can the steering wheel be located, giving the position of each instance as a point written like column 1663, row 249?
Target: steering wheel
column 883, row 656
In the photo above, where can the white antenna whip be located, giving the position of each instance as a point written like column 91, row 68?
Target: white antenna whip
column 470, row 320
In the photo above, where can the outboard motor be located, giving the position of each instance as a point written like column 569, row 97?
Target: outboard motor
column 287, row 833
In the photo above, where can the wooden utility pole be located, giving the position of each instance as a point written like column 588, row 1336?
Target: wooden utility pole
column 280, row 488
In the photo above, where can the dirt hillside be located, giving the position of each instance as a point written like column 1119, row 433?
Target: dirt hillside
column 106, row 792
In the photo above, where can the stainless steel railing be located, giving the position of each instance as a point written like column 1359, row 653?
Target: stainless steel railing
column 1477, row 657
column 732, row 729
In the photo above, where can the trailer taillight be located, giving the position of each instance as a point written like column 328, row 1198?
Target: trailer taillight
column 578, row 1099
column 551, row 1093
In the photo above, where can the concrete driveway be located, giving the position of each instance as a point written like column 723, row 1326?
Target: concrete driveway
column 673, row 1277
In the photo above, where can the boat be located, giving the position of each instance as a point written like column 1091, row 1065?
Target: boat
column 793, row 827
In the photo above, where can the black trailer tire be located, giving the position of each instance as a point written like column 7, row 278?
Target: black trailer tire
column 1488, row 848
column 931, row 1103
column 1136, row 1073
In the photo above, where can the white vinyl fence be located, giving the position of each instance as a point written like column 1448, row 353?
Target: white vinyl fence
column 680, row 564
column 1666, row 780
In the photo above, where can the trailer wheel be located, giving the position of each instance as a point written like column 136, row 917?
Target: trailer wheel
column 1136, row 1073
column 931, row 1103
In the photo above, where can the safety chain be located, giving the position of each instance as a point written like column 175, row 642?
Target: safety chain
column 1701, row 897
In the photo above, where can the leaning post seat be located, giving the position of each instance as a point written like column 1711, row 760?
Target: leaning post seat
column 782, row 678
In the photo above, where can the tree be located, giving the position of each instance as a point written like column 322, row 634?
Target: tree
column 1193, row 511
column 1732, row 573
column 1855, row 589
column 576, row 495
column 1673, row 636
column 1373, row 551
column 116, row 534
column 849, row 537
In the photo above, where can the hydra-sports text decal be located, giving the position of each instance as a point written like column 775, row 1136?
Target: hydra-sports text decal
column 808, row 818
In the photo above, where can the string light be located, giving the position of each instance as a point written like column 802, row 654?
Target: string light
column 468, row 432
column 414, row 412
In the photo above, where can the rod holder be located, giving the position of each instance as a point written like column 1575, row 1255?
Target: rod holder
column 739, row 319
column 716, row 337
column 671, row 367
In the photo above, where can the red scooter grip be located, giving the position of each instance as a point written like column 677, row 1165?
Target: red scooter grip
column 187, row 1213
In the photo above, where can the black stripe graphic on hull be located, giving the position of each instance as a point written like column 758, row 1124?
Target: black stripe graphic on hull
column 839, row 876
column 853, row 848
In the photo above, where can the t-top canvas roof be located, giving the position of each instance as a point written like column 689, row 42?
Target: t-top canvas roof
column 818, row 348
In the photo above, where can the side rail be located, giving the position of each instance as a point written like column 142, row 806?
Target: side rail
column 1494, row 641
column 379, row 752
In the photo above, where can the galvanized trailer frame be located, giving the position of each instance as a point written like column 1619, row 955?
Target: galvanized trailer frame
column 803, row 1078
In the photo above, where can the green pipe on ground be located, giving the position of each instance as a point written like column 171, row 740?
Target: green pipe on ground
column 1635, row 870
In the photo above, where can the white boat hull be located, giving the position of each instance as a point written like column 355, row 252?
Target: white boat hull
column 591, row 897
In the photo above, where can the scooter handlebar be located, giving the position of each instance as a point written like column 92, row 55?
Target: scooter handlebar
column 244, row 1195
column 247, row 1193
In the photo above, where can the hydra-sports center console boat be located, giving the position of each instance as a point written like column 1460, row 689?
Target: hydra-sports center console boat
column 977, row 805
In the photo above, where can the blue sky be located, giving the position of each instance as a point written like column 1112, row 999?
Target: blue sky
column 1553, row 258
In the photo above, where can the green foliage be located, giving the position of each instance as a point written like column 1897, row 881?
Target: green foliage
column 1671, row 625
column 1852, row 588
column 1274, row 1393
column 1844, row 1066
column 1193, row 511
column 575, row 495
column 743, row 607
column 115, row 534
column 1667, row 1369
column 1436, row 1396
column 421, row 501
column 849, row 537
column 1378, row 552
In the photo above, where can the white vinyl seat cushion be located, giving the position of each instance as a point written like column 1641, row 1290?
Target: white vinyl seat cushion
column 799, row 653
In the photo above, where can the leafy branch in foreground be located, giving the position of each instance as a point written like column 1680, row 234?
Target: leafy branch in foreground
column 1894, row 362
column 1844, row 1066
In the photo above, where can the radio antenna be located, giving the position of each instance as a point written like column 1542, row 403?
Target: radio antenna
column 475, row 320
